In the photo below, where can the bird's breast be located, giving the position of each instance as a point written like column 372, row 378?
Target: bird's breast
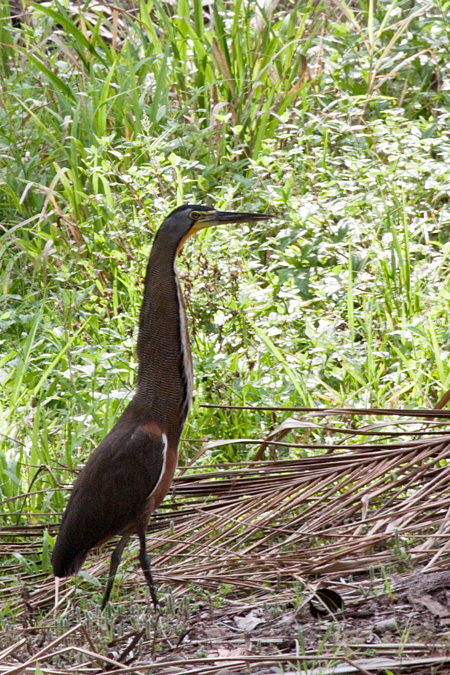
column 165, row 480
column 162, row 487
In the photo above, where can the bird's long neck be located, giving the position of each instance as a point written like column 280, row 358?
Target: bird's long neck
column 163, row 349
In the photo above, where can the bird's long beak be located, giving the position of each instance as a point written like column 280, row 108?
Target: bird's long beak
column 236, row 217
column 213, row 217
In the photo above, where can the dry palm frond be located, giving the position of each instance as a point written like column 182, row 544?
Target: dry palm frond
column 360, row 504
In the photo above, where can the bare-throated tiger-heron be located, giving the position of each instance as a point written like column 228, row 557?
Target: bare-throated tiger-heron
column 129, row 473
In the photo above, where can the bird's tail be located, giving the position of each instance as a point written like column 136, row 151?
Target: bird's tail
column 65, row 560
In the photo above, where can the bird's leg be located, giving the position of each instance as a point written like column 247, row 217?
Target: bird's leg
column 115, row 562
column 145, row 564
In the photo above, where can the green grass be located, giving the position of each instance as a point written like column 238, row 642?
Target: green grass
column 334, row 119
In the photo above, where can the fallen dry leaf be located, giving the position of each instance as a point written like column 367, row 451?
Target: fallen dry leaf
column 249, row 622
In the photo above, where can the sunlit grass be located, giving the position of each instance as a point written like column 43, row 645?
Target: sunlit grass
column 332, row 120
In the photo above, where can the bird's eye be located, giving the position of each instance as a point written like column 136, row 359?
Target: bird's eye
column 195, row 215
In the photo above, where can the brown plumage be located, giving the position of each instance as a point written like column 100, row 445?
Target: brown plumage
column 129, row 473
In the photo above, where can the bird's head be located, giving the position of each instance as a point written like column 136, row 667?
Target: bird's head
column 186, row 220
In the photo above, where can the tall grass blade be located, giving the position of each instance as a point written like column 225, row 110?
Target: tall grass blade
column 23, row 364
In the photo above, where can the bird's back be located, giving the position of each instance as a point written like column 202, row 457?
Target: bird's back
column 110, row 494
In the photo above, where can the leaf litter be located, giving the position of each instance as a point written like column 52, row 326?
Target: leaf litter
column 319, row 563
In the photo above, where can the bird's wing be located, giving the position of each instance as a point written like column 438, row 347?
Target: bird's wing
column 110, row 493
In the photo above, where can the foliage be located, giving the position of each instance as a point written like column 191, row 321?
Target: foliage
column 334, row 118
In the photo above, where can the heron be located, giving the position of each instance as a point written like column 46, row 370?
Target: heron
column 128, row 475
